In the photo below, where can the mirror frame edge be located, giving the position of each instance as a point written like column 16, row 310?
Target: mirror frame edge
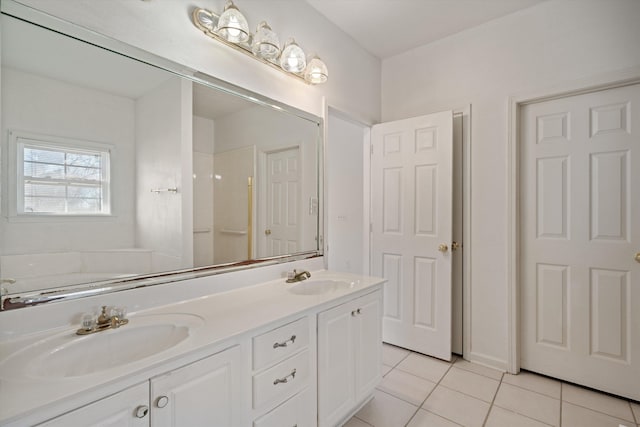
column 11, row 301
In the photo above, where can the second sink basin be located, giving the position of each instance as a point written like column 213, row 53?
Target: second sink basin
column 70, row 355
column 318, row 287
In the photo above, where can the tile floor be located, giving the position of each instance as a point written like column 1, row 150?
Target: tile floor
column 420, row 391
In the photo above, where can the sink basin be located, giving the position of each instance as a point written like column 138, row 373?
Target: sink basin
column 318, row 287
column 70, row 355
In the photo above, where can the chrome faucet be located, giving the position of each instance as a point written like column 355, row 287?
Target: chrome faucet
column 297, row 277
column 104, row 321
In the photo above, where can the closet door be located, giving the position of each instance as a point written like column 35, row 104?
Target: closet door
column 580, row 231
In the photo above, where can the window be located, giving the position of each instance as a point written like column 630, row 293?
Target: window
column 61, row 177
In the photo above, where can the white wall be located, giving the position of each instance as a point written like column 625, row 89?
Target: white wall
column 164, row 154
column 540, row 48
column 50, row 107
column 203, row 140
column 345, row 195
column 165, row 28
column 203, row 134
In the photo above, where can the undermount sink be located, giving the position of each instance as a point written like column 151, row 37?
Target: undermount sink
column 318, row 287
column 70, row 355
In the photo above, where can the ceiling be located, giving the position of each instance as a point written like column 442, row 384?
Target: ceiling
column 388, row 27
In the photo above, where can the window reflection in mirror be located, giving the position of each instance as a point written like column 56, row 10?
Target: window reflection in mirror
column 113, row 168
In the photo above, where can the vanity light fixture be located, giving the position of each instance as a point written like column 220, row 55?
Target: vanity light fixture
column 293, row 58
column 316, row 71
column 232, row 25
column 265, row 43
column 231, row 28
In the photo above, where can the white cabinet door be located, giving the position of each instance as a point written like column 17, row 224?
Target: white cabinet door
column 368, row 344
column 204, row 393
column 336, row 385
column 129, row 408
column 349, row 356
column 411, row 199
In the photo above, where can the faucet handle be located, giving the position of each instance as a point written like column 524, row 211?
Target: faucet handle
column 88, row 321
column 119, row 312
column 291, row 274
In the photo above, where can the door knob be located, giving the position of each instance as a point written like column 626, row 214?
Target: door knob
column 267, row 232
column 443, row 248
column 455, row 246
column 637, row 257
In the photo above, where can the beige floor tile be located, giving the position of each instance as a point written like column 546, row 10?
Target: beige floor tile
column 355, row 422
column 479, row 369
column 600, row 402
column 528, row 403
column 577, row 416
column 424, row 366
column 499, row 417
column 406, row 386
column 534, row 382
column 467, row 382
column 385, row 410
column 392, row 355
column 385, row 369
column 428, row 419
column 636, row 411
column 457, row 407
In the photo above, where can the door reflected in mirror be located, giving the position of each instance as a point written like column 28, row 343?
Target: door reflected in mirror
column 114, row 169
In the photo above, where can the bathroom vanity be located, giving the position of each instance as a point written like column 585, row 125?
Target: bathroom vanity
column 272, row 354
column 184, row 225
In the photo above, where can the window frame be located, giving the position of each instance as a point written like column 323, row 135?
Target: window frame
column 19, row 140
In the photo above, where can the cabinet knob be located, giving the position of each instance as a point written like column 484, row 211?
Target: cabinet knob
column 162, row 401
column 141, row 411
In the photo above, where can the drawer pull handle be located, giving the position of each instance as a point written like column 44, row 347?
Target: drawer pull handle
column 355, row 312
column 285, row 343
column 285, row 380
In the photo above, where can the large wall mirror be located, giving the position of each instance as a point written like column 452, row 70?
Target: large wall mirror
column 115, row 170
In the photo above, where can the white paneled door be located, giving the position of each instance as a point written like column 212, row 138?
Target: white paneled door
column 411, row 182
column 283, row 201
column 580, row 239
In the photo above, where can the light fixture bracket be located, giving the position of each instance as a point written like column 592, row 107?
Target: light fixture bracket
column 206, row 21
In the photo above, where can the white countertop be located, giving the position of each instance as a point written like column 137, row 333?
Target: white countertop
column 225, row 316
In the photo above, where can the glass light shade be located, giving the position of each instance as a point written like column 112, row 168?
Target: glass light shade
column 293, row 59
column 316, row 72
column 232, row 25
column 265, row 43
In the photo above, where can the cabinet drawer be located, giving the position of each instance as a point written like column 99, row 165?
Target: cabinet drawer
column 279, row 343
column 292, row 413
column 282, row 381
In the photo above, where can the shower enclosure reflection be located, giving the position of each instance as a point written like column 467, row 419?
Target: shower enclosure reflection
column 114, row 169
